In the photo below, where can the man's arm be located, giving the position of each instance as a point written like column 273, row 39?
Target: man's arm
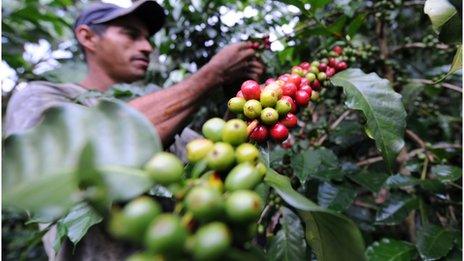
column 169, row 108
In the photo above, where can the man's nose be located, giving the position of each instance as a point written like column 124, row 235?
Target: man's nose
column 145, row 46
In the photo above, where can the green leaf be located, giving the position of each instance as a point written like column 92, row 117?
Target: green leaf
column 38, row 164
column 323, row 227
column 371, row 180
column 286, row 55
column 409, row 93
column 446, row 173
column 347, row 134
column 47, row 197
column 90, row 180
column 336, row 198
column 451, row 31
column 289, row 243
column 382, row 107
column 456, row 64
column 125, row 183
column 434, row 242
column 391, row 250
column 122, row 136
column 432, row 185
column 439, row 11
column 78, row 221
column 316, row 4
column 337, row 26
column 458, row 239
column 354, row 26
column 253, row 253
column 273, row 156
column 320, row 163
column 399, row 181
column 199, row 168
column 396, row 209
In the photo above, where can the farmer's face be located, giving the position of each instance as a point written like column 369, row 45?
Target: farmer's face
column 123, row 49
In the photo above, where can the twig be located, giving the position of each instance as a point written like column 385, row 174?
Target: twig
column 365, row 205
column 420, row 45
column 264, row 213
column 452, row 214
column 410, row 154
column 411, row 3
column 446, row 85
column 419, row 141
column 424, row 168
column 411, row 225
column 383, row 46
column 423, row 212
column 455, row 185
column 446, row 202
column 369, row 161
column 339, row 120
column 332, row 127
column 415, row 138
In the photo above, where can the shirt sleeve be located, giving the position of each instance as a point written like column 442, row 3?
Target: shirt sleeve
column 26, row 106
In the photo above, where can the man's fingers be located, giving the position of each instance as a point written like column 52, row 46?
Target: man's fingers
column 245, row 45
column 253, row 76
column 257, row 71
column 246, row 54
column 256, row 64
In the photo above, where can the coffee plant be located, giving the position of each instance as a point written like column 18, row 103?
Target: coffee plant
column 349, row 148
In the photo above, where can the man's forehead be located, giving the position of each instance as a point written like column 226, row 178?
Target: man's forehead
column 130, row 22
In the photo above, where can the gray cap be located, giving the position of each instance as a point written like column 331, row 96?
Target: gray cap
column 148, row 11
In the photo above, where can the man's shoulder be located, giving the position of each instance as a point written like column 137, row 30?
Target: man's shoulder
column 27, row 103
column 67, row 89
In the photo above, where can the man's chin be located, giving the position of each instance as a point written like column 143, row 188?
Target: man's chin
column 134, row 77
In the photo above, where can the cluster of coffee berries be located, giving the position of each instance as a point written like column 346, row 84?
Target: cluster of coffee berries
column 384, row 9
column 215, row 209
column 340, row 56
column 363, row 53
column 430, row 41
column 270, row 108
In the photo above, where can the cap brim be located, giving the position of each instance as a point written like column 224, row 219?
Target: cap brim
column 148, row 11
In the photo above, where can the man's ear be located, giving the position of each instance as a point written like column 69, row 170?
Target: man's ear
column 86, row 37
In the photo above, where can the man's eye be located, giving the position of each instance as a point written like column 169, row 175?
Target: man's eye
column 132, row 34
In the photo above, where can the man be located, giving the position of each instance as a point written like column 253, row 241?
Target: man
column 116, row 49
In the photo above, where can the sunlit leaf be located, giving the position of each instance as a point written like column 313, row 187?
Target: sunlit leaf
column 354, row 26
column 289, row 243
column 322, row 226
column 336, row 198
column 409, row 93
column 434, row 242
column 396, row 209
column 399, row 181
column 446, row 173
column 391, row 250
column 38, row 165
column 78, row 221
column 456, row 64
column 439, row 11
column 451, row 31
column 373, row 181
column 380, row 104
column 320, row 163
